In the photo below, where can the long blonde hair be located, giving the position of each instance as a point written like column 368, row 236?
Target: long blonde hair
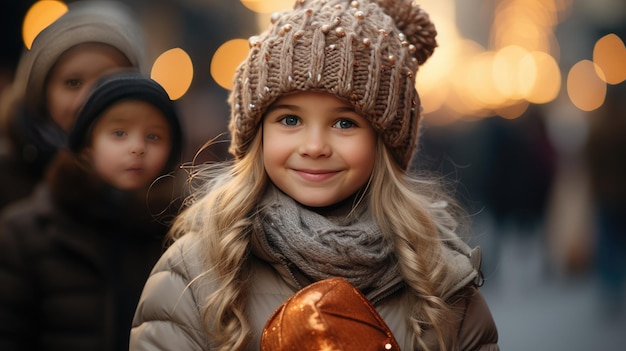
column 222, row 212
column 412, row 212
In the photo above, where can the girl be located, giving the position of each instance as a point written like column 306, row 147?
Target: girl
column 324, row 123
column 52, row 79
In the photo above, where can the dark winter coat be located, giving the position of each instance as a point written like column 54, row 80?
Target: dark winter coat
column 32, row 143
column 73, row 260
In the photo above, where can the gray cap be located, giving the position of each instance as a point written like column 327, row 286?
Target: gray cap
column 89, row 21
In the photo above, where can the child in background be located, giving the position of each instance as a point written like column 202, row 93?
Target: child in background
column 51, row 82
column 75, row 255
column 324, row 124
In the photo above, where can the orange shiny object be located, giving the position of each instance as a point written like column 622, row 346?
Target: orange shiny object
column 329, row 315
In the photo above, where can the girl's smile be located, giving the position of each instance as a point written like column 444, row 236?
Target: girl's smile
column 315, row 175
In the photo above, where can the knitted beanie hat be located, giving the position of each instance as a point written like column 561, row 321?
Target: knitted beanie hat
column 115, row 87
column 364, row 51
column 90, row 21
column 327, row 315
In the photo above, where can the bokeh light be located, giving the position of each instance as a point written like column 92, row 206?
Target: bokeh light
column 609, row 54
column 585, row 88
column 268, row 6
column 173, row 69
column 508, row 75
column 40, row 16
column 513, row 110
column 226, row 60
column 545, row 84
column 480, row 81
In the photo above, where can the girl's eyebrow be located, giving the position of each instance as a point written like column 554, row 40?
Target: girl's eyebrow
column 283, row 106
column 348, row 108
column 117, row 119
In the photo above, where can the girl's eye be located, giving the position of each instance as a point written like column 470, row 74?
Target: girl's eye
column 74, row 83
column 290, row 120
column 119, row 133
column 344, row 124
column 153, row 137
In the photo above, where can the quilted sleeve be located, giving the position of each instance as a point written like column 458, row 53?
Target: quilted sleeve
column 478, row 330
column 168, row 316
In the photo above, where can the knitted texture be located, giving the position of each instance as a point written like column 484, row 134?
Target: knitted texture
column 364, row 51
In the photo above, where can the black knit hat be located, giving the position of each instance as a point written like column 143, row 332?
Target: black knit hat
column 127, row 85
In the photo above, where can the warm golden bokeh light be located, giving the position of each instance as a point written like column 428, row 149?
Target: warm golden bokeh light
column 585, row 88
column 512, row 110
column 268, row 6
column 433, row 77
column 461, row 100
column 226, row 60
column 473, row 93
column 39, row 16
column 527, row 23
column 508, row 73
column 480, row 81
column 609, row 54
column 522, row 32
column 173, row 69
column 433, row 99
column 441, row 63
column 544, row 83
column 555, row 46
column 543, row 13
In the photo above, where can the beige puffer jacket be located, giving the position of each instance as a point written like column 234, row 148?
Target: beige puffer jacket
column 168, row 316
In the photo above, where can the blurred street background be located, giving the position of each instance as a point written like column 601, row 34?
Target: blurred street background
column 524, row 111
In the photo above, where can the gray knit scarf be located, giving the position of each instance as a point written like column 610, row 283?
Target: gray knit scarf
column 322, row 247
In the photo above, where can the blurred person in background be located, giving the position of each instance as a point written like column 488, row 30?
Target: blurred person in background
column 74, row 256
column 606, row 160
column 52, row 78
column 519, row 173
column 503, row 171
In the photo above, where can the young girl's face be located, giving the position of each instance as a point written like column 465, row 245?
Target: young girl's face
column 316, row 148
column 73, row 75
column 130, row 144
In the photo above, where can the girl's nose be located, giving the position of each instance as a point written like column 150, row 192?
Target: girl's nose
column 138, row 146
column 315, row 144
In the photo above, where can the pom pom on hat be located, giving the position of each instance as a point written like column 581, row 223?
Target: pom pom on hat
column 125, row 85
column 327, row 315
column 366, row 52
